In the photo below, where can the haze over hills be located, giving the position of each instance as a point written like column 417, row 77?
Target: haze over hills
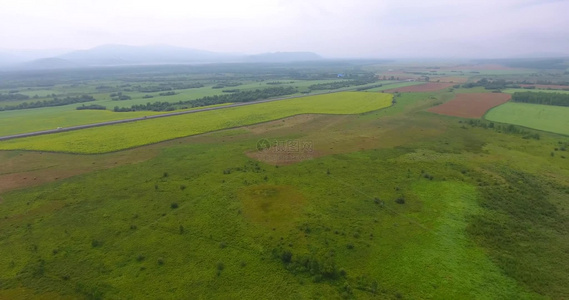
column 117, row 55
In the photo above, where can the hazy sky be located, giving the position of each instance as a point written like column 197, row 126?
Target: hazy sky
column 333, row 28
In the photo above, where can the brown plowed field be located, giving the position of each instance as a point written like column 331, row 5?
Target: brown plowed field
column 427, row 87
column 471, row 105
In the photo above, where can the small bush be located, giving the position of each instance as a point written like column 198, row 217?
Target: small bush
column 174, row 205
column 400, row 200
column 286, row 256
column 220, row 266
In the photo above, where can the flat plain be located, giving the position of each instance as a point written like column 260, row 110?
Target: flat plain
column 389, row 201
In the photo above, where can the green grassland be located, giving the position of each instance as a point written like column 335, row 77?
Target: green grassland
column 392, row 202
column 203, row 220
column 541, row 117
column 122, row 136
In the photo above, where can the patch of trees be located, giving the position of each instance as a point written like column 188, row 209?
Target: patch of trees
column 92, row 106
column 168, row 87
column 545, row 98
column 226, row 84
column 171, row 93
column 13, row 97
column 544, row 82
column 278, row 82
column 48, row 103
column 119, row 96
column 369, row 87
column 510, row 129
column 244, row 96
column 320, row 268
column 231, row 91
column 491, row 84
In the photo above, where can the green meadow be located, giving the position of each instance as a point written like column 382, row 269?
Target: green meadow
column 387, row 202
column 536, row 116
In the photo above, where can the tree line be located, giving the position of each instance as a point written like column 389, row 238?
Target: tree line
column 490, row 84
column 342, row 84
column 225, row 84
column 13, row 97
column 168, row 87
column 243, row 96
column 545, row 98
column 92, row 106
column 48, row 103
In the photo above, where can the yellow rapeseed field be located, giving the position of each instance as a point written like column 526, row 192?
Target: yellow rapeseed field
column 128, row 135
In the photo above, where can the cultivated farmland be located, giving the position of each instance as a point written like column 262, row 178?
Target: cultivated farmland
column 537, row 116
column 113, row 138
column 427, row 87
column 473, row 105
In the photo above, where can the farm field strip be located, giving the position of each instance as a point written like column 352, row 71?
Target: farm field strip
column 547, row 86
column 511, row 91
column 50, row 118
column 399, row 84
column 473, row 105
column 128, row 135
column 537, row 116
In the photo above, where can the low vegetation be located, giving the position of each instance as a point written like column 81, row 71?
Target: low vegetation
column 391, row 201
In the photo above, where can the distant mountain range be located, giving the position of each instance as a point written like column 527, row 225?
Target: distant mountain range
column 120, row 55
